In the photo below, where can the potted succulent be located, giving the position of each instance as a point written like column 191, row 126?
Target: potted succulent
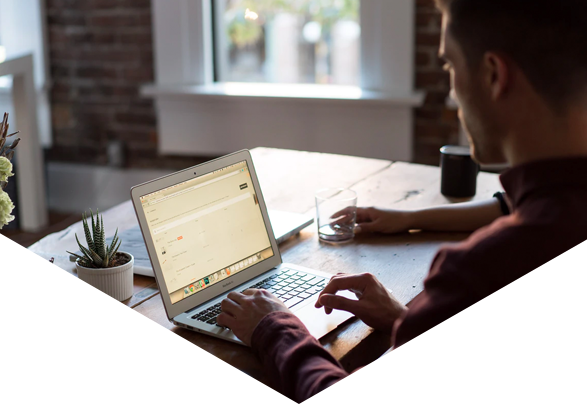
column 101, row 265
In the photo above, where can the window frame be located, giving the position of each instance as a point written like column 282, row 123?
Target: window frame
column 387, row 58
column 189, row 102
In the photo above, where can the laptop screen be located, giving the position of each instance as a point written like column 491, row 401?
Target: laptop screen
column 206, row 229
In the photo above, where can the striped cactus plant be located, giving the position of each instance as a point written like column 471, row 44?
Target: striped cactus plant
column 97, row 254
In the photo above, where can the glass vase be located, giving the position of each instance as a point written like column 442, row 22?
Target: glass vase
column 10, row 263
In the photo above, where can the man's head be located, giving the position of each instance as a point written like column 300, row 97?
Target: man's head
column 510, row 60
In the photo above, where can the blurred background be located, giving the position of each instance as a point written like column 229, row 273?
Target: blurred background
column 129, row 90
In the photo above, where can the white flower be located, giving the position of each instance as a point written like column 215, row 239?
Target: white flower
column 5, row 169
column 6, row 207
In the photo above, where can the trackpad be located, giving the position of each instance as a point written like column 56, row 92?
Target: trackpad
column 319, row 323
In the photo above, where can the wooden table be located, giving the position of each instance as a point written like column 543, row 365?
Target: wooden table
column 289, row 180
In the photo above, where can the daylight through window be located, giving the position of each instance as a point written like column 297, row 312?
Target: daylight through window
column 293, row 41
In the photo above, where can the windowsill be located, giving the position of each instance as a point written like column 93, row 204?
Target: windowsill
column 314, row 92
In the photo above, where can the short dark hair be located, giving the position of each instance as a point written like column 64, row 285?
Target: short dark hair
column 547, row 39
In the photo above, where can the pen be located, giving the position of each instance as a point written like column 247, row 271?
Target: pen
column 6, row 276
column 46, row 271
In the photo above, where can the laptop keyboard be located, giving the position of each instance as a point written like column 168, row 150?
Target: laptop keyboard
column 289, row 286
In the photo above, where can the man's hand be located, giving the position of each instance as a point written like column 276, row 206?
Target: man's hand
column 242, row 312
column 373, row 220
column 376, row 307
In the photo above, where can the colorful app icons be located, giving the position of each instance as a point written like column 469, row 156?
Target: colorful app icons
column 206, row 281
column 227, row 271
column 202, row 284
column 192, row 288
column 186, row 291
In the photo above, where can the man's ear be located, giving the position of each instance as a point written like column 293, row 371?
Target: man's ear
column 496, row 75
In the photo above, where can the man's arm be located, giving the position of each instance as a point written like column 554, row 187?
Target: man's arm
column 439, row 346
column 464, row 217
column 439, row 343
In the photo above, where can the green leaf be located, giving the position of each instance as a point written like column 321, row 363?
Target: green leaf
column 87, row 264
column 83, row 249
column 114, row 240
column 87, row 232
column 117, row 247
column 75, row 255
column 97, row 260
column 102, row 250
column 87, row 253
column 93, row 226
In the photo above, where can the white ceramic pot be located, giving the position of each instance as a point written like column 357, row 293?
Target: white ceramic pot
column 116, row 282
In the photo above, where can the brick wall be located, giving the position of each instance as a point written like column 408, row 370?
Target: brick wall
column 435, row 125
column 101, row 53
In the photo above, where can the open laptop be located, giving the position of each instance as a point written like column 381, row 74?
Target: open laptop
column 285, row 225
column 208, row 233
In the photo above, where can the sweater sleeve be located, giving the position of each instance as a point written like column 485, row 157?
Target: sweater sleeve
column 423, row 366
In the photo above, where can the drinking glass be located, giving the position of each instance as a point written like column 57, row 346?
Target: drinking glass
column 336, row 214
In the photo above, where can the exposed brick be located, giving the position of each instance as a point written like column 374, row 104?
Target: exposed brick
column 138, row 74
column 433, row 79
column 66, row 19
column 423, row 58
column 101, row 51
column 116, row 20
column 137, row 38
column 434, row 124
column 136, row 118
column 428, row 38
column 96, row 72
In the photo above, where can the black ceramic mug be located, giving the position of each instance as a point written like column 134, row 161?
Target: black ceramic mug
column 458, row 172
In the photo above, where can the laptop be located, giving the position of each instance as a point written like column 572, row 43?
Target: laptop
column 208, row 233
column 285, row 225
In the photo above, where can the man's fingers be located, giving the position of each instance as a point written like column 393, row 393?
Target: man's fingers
column 337, row 283
column 366, row 227
column 344, row 212
column 250, row 292
column 339, row 303
column 342, row 220
column 363, row 215
column 225, row 320
column 230, row 307
column 237, row 297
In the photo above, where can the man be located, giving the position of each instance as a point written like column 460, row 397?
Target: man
column 519, row 72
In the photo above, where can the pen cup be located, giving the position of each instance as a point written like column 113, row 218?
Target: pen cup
column 29, row 316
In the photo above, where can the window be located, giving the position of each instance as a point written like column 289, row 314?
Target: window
column 198, row 110
column 278, row 41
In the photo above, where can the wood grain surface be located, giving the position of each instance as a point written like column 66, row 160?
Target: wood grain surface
column 289, row 180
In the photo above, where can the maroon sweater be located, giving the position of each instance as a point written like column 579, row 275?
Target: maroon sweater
column 502, row 318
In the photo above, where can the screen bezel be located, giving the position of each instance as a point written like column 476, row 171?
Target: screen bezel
column 233, row 281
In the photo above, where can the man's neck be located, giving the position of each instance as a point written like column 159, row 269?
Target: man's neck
column 549, row 138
